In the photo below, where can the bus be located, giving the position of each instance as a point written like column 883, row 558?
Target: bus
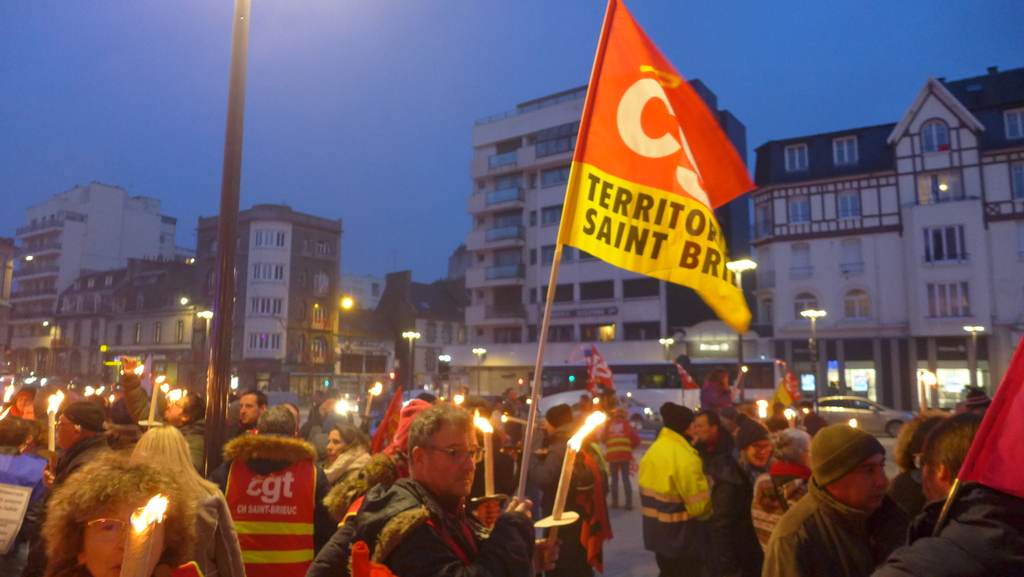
column 656, row 383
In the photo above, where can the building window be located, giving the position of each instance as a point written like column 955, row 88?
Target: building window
column 554, row 176
column 158, row 332
column 938, row 187
column 508, row 335
column 599, row 290
column 647, row 331
column 531, row 333
column 849, row 205
column 551, row 215
column 533, row 256
column 140, row 300
column 118, row 334
column 262, row 271
column 584, row 255
column 1014, row 121
column 533, row 296
column 431, row 332
column 561, row 333
column 948, row 300
column 934, row 136
column 597, row 333
column 91, row 283
column 800, row 262
column 944, row 244
column 852, row 257
column 179, row 332
column 799, row 210
column 264, row 341
column 844, row 150
column 856, row 305
column 318, row 348
column 323, row 248
column 547, row 254
column 320, row 317
column 263, row 238
column 265, row 306
column 796, row 157
column 321, row 284
column 767, row 312
column 138, row 333
column 557, row 139
column 641, row 287
column 763, row 220
column 446, row 333
column 1017, row 180
column 803, row 302
column 109, row 280
column 563, row 293
column 375, row 289
column 533, row 218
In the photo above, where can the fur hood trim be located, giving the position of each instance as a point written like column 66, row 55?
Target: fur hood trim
column 397, row 529
column 378, row 470
column 269, row 447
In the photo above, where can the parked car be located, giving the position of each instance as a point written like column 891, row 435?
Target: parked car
column 871, row 416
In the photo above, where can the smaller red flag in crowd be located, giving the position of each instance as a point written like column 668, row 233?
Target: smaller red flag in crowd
column 995, row 456
column 389, row 426
column 788, row 391
column 688, row 382
column 598, row 371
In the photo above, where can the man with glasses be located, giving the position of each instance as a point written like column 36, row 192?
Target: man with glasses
column 418, row 527
column 847, row 524
column 80, row 439
column 187, row 413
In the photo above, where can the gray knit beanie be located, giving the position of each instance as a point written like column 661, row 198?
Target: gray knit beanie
column 838, row 449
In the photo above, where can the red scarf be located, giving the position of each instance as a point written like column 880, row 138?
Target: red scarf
column 596, row 528
column 780, row 468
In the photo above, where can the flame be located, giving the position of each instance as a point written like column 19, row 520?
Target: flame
column 152, row 513
column 99, row 391
column 4, row 414
column 165, row 388
column 762, row 408
column 89, row 391
column 504, row 418
column 175, row 395
column 853, row 423
column 595, row 419
column 140, row 369
column 377, row 389
column 597, row 400
column 112, row 400
column 458, row 399
column 482, row 423
column 161, row 379
column 790, row 414
column 54, row 402
column 341, row 407
column 8, row 393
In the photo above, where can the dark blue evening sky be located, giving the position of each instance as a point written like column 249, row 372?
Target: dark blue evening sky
column 362, row 110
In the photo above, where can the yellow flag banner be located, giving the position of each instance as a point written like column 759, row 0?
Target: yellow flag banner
column 788, row 392
column 650, row 163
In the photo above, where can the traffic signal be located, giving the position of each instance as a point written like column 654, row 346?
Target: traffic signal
column 391, row 375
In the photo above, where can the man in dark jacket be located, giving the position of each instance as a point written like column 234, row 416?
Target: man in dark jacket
column 713, row 439
column 20, row 471
column 736, row 548
column 251, row 405
column 418, row 527
column 984, row 531
column 80, row 438
column 187, row 413
column 847, row 524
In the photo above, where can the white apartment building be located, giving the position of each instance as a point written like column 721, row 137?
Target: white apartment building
column 96, row 227
column 904, row 234
column 520, row 168
column 364, row 290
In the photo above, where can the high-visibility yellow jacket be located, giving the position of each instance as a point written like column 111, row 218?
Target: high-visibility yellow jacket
column 675, row 498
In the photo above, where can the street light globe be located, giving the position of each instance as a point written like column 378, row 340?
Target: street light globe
column 183, row 301
column 812, row 314
column 667, row 341
column 479, row 351
column 444, row 358
column 205, row 315
column 741, row 265
column 347, row 302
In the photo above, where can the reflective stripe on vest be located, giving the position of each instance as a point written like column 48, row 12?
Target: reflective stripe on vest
column 273, row 517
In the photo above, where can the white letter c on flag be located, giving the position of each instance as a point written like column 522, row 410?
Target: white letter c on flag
column 628, row 119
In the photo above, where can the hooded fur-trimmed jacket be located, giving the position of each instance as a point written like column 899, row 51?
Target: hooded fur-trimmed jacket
column 266, row 454
column 414, row 535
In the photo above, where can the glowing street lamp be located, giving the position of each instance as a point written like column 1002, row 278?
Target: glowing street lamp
column 812, row 341
column 183, row 301
column 412, row 336
column 479, row 352
column 737, row 267
column 973, row 357
column 668, row 343
column 925, row 379
column 347, row 302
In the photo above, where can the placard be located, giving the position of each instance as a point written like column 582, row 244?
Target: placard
column 13, row 505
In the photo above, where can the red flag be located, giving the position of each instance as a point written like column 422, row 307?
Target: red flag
column 788, row 391
column 389, row 426
column 596, row 527
column 598, row 371
column 688, row 382
column 995, row 456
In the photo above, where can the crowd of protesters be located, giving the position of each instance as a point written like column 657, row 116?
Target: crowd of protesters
column 723, row 492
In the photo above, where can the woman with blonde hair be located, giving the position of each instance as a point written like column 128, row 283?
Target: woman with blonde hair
column 348, row 449
column 87, row 518
column 216, row 552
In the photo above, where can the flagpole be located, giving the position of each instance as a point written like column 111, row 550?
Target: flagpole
column 953, row 491
column 573, row 184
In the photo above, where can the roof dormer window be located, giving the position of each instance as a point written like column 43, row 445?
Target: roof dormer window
column 844, row 151
column 1014, row 122
column 934, row 136
column 796, row 158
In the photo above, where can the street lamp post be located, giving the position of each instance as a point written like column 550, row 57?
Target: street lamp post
column 668, row 343
column 207, row 316
column 412, row 336
column 972, row 358
column 737, row 267
column 479, row 352
column 812, row 342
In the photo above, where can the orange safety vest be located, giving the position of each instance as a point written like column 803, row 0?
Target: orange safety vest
column 618, row 444
column 273, row 517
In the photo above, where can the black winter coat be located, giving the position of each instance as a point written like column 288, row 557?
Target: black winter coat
column 734, row 541
column 393, row 522
column 984, row 535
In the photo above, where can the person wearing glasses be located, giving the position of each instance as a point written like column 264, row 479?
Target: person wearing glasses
column 275, row 492
column 736, row 548
column 87, row 522
column 419, row 527
column 80, row 438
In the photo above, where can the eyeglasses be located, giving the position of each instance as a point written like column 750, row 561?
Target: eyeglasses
column 107, row 530
column 460, row 456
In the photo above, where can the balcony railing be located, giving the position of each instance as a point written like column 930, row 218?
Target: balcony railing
column 505, row 233
column 321, row 323
column 514, row 311
column 38, row 248
column 506, row 195
column 851, row 268
column 506, row 271
column 801, row 271
column 503, row 159
column 56, row 222
column 33, row 293
column 38, row 269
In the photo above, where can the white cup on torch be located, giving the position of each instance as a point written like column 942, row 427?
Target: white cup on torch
column 559, row 516
column 52, row 405
column 145, row 539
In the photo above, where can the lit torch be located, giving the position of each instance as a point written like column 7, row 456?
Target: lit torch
column 152, row 399
column 51, row 418
column 485, row 426
column 791, row 417
column 762, row 408
column 853, row 423
column 147, row 532
column 375, row 391
column 458, row 399
column 8, row 393
column 559, row 516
